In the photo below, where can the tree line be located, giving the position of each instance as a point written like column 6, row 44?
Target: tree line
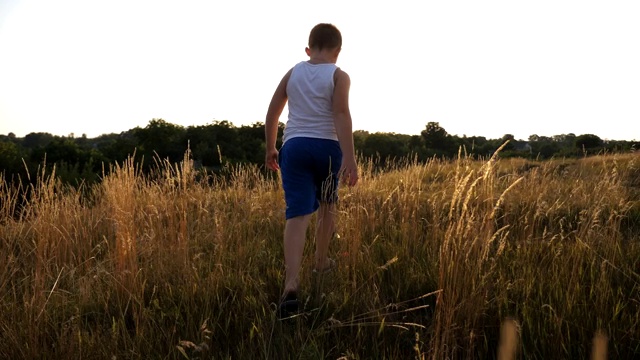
column 83, row 159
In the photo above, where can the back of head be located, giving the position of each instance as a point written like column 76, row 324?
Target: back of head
column 325, row 36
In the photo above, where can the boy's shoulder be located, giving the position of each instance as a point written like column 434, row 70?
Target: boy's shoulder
column 339, row 73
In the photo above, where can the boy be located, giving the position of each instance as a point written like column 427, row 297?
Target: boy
column 317, row 149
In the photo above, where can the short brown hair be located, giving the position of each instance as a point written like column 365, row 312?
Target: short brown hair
column 325, row 36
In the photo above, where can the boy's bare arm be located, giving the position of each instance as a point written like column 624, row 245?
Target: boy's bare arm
column 278, row 101
column 344, row 127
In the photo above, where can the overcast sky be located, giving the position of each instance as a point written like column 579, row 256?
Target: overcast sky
column 479, row 68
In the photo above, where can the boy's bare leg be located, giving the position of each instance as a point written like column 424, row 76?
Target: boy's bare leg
column 325, row 228
column 294, row 237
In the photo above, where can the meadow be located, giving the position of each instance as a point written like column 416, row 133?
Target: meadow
column 462, row 259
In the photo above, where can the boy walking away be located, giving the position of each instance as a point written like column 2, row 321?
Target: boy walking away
column 317, row 151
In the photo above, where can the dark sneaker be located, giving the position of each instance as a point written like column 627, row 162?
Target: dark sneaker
column 289, row 306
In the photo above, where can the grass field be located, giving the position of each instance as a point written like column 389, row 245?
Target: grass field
column 448, row 259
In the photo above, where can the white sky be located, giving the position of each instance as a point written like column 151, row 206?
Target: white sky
column 484, row 68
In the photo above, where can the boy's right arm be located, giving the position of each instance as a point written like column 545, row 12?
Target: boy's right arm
column 278, row 101
column 344, row 127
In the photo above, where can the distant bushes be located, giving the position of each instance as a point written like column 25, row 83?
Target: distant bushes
column 82, row 159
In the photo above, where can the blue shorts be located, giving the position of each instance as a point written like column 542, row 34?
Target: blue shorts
column 309, row 169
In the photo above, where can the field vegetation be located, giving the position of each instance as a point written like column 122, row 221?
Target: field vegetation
column 435, row 260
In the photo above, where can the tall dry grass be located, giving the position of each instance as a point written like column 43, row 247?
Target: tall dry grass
column 464, row 259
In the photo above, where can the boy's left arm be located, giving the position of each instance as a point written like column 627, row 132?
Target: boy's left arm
column 278, row 101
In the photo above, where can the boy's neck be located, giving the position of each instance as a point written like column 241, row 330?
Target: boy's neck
column 324, row 56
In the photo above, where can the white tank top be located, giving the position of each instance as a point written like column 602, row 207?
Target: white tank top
column 310, row 102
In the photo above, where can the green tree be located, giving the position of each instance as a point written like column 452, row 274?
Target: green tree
column 543, row 147
column 216, row 143
column 359, row 138
column 252, row 143
column 438, row 140
column 62, row 149
column 510, row 145
column 225, row 139
column 37, row 140
column 116, row 148
column 10, row 158
column 475, row 146
column 588, row 141
column 435, row 136
column 162, row 138
column 417, row 148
